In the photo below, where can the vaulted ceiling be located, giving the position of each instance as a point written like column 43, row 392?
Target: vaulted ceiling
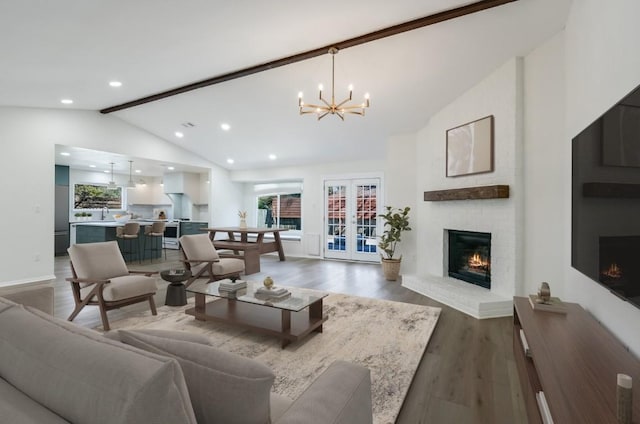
column 52, row 50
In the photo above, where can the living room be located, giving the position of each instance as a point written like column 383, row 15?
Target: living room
column 540, row 100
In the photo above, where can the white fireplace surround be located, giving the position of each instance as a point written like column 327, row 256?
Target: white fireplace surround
column 466, row 297
column 500, row 95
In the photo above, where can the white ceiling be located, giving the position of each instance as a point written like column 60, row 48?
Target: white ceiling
column 71, row 49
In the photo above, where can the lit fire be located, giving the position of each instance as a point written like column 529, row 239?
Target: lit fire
column 614, row 271
column 475, row 261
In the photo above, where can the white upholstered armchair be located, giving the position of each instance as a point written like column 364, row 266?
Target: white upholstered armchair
column 101, row 278
column 201, row 257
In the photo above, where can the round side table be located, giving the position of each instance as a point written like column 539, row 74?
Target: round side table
column 176, row 292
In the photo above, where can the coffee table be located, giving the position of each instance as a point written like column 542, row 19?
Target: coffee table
column 289, row 319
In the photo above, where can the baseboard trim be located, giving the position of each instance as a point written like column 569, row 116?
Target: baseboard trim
column 28, row 281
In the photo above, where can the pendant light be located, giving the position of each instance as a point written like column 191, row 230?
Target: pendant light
column 112, row 183
column 131, row 184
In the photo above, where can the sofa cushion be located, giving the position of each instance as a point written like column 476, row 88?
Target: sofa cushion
column 340, row 395
column 124, row 287
column 279, row 404
column 86, row 378
column 184, row 336
column 18, row 408
column 97, row 261
column 39, row 296
column 224, row 387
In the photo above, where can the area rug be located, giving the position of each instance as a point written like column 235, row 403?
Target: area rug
column 387, row 337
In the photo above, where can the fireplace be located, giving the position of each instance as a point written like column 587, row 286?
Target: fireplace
column 618, row 268
column 470, row 257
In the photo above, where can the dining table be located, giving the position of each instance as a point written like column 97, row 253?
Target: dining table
column 247, row 243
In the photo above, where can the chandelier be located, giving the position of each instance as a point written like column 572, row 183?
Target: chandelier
column 332, row 108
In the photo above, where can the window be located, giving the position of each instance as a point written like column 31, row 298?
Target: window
column 96, row 196
column 280, row 207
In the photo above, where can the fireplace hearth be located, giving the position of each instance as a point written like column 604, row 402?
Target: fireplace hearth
column 470, row 257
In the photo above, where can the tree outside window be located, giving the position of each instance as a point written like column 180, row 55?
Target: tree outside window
column 94, row 196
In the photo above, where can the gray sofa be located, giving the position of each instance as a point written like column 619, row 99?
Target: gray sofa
column 53, row 371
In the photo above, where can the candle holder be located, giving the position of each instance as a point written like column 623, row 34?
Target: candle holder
column 624, row 399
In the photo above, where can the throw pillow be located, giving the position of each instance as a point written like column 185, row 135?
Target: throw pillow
column 224, row 387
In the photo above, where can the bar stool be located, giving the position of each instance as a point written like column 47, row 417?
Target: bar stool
column 129, row 232
column 152, row 233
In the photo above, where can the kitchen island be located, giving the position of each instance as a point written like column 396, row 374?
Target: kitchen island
column 98, row 231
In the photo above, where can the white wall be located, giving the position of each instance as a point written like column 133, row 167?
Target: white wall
column 401, row 190
column 28, row 137
column 602, row 66
column 545, row 164
column 312, row 199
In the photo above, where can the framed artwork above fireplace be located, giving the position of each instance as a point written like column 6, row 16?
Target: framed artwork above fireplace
column 470, row 148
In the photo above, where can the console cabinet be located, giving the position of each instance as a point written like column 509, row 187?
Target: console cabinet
column 574, row 361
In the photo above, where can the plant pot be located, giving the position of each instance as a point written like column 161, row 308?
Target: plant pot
column 243, row 223
column 391, row 269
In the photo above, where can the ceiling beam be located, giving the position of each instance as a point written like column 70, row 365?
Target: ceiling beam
column 362, row 39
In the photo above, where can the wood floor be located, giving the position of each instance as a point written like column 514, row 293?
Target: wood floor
column 467, row 374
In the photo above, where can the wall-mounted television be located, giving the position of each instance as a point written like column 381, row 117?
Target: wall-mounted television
column 605, row 214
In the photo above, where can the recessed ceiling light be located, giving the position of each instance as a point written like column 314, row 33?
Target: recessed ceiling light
column 230, row 161
column 171, row 168
column 65, row 154
column 92, row 166
column 138, row 171
column 179, row 134
column 106, row 171
column 66, row 101
column 225, row 126
column 115, row 83
column 273, row 157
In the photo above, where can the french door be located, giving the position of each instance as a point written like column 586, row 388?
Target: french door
column 350, row 219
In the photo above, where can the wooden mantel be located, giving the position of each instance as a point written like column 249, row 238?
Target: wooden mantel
column 468, row 193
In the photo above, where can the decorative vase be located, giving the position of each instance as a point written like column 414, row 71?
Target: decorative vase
column 243, row 223
column 268, row 282
column 390, row 269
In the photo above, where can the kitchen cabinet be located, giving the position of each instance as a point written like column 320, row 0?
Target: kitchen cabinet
column 149, row 194
column 192, row 227
column 94, row 234
column 61, row 211
column 106, row 231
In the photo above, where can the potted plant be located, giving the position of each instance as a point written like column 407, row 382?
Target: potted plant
column 396, row 220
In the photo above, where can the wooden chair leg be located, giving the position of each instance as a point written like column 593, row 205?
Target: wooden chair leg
column 105, row 320
column 81, row 304
column 152, row 305
column 75, row 312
